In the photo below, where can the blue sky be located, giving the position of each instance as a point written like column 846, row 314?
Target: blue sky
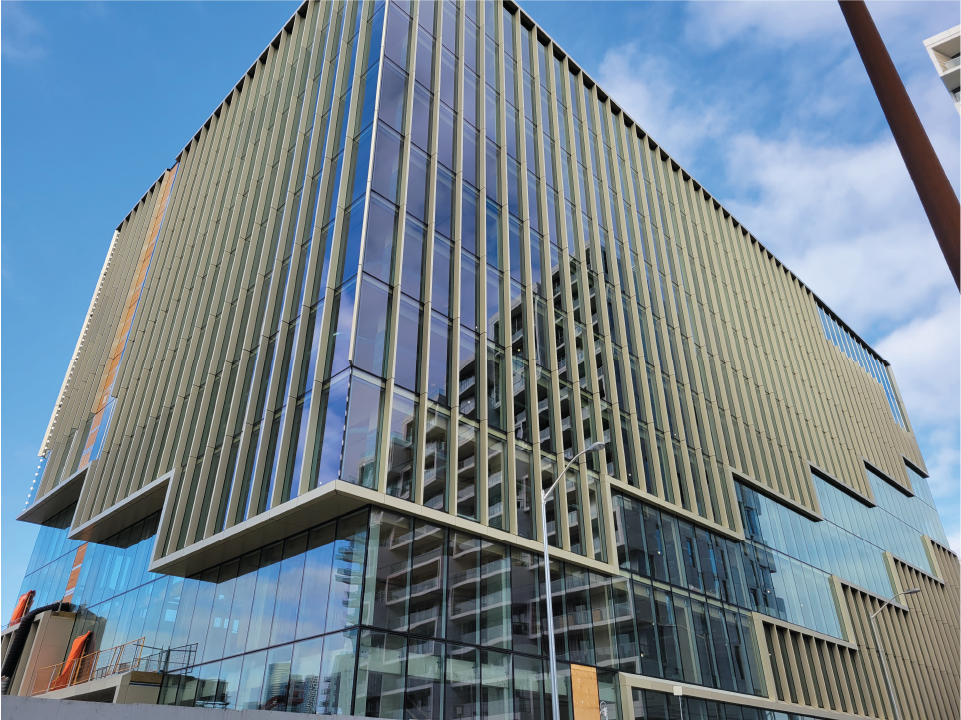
column 767, row 104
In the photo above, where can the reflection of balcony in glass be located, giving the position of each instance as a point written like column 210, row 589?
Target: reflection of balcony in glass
column 400, row 475
column 467, row 486
column 426, row 580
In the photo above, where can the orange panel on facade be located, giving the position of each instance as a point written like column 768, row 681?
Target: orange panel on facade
column 126, row 322
column 76, row 652
column 75, row 573
column 584, row 694
column 23, row 605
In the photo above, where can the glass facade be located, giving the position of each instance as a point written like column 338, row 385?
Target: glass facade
column 50, row 562
column 864, row 356
column 750, row 575
column 650, row 705
column 905, row 517
column 849, row 542
column 401, row 581
column 403, row 600
column 117, row 598
column 442, row 263
column 376, row 674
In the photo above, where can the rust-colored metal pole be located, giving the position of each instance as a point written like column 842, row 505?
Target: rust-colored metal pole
column 937, row 196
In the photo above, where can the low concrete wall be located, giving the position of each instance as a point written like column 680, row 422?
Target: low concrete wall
column 127, row 688
column 13, row 707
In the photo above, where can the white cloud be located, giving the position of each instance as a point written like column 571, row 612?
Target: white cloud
column 846, row 219
column 926, row 354
column 21, row 34
column 843, row 215
column 954, row 540
column 718, row 22
column 787, row 23
column 650, row 90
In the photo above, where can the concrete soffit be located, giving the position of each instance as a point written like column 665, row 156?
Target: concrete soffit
column 143, row 503
column 57, row 500
column 314, row 508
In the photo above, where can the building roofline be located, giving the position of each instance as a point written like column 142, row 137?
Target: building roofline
column 942, row 36
column 531, row 24
column 527, row 20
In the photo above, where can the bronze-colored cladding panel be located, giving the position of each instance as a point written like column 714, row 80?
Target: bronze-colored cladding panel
column 75, row 573
column 126, row 322
column 585, row 695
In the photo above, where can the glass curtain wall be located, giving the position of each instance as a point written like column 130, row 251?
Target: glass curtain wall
column 508, row 231
column 450, row 625
column 851, row 540
column 650, row 705
column 50, row 562
column 385, row 586
column 904, row 518
column 657, row 545
column 857, row 352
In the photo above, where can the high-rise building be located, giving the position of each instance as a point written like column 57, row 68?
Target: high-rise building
column 414, row 263
column 944, row 49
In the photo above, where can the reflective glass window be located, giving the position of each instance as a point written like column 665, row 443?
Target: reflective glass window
column 402, row 453
column 362, row 436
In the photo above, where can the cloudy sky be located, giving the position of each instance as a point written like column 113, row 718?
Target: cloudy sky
column 767, row 104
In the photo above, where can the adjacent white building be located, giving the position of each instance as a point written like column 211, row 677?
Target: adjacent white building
column 945, row 52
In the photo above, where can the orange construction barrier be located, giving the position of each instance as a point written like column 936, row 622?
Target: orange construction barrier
column 76, row 652
column 23, row 604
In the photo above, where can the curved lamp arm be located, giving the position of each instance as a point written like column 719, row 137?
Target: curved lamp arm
column 912, row 591
column 545, row 493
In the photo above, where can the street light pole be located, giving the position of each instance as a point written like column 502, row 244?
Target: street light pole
column 877, row 640
column 930, row 181
column 679, row 691
column 555, row 703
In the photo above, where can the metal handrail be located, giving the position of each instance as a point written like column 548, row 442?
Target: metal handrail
column 93, row 666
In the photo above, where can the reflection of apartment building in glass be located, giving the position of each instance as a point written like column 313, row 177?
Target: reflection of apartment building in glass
column 944, row 49
column 414, row 262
